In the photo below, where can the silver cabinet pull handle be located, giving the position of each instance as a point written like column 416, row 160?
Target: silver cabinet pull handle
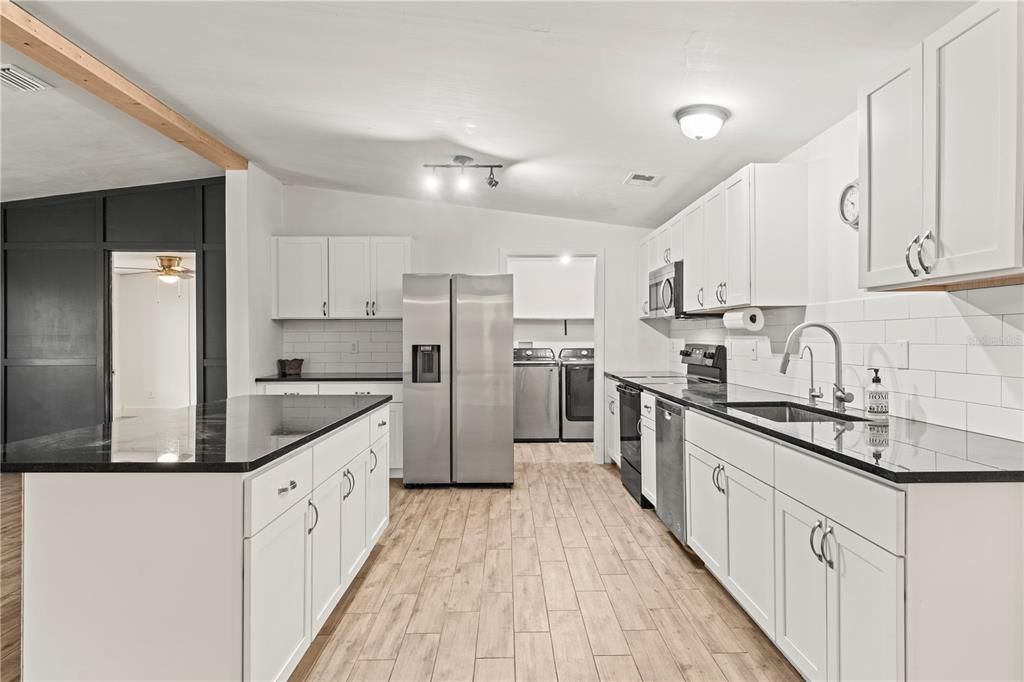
column 291, row 486
column 373, row 308
column 700, row 297
column 646, row 308
column 324, row 308
column 381, row 423
column 374, row 467
column 920, row 259
column 816, row 528
column 611, row 406
column 638, row 431
column 721, row 470
column 316, row 518
column 351, row 486
column 714, row 477
column 725, row 292
column 824, row 537
column 367, row 308
column 906, row 255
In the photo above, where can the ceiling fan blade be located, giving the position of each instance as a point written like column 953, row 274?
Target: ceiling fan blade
column 144, row 272
column 121, row 267
column 187, row 275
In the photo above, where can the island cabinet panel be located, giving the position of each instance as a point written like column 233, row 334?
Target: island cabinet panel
column 706, row 513
column 750, row 569
column 327, row 582
column 277, row 622
column 378, row 489
column 354, row 547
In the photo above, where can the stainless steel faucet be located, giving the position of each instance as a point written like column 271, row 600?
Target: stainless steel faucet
column 840, row 396
column 814, row 392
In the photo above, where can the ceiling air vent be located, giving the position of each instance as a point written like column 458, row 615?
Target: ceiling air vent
column 642, row 180
column 18, row 79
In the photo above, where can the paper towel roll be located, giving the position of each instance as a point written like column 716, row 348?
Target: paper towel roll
column 750, row 319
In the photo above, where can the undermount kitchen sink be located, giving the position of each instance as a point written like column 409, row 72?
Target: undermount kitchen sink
column 791, row 412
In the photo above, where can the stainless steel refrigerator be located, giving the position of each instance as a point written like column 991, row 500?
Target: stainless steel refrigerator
column 457, row 379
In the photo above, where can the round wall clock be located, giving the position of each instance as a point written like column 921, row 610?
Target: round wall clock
column 849, row 205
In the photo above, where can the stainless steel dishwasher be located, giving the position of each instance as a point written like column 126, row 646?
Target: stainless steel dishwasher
column 670, row 463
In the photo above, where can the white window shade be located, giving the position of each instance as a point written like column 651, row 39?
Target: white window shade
column 550, row 289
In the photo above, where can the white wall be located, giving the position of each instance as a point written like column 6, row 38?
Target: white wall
column 154, row 346
column 953, row 359
column 254, row 212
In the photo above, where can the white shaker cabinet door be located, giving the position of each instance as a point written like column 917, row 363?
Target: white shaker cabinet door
column 694, row 258
column 717, row 260
column 377, row 489
column 973, row 178
column 865, row 631
column 326, row 579
column 648, row 468
column 277, row 622
column 800, row 587
column 391, row 258
column 737, row 238
column 706, row 510
column 611, row 423
column 350, row 277
column 299, row 269
column 750, row 568
column 353, row 517
column 889, row 110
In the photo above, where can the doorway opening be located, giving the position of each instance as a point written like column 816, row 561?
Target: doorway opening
column 152, row 349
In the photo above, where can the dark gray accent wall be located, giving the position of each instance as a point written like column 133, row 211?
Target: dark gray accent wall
column 55, row 299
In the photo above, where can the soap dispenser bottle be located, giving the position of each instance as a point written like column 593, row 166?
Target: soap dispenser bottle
column 877, row 396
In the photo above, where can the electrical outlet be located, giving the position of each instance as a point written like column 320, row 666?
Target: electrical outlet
column 354, row 348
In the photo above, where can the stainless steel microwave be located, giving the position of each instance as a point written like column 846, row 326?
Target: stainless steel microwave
column 661, row 292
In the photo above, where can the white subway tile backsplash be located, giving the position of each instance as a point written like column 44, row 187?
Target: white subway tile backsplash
column 970, row 388
column 1013, row 330
column 345, row 345
column 952, row 413
column 979, row 330
column 1012, row 392
column 920, row 330
column 997, row 421
column 938, row 304
column 997, row 301
column 938, row 357
column 1000, row 360
column 887, row 307
column 895, row 355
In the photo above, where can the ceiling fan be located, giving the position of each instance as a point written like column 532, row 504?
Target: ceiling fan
column 169, row 270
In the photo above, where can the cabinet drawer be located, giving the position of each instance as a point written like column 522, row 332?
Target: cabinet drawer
column 380, row 423
column 269, row 494
column 335, row 452
column 871, row 509
column 742, row 449
column 647, row 404
column 304, row 388
column 348, row 388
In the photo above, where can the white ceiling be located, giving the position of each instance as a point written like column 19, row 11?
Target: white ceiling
column 65, row 140
column 572, row 96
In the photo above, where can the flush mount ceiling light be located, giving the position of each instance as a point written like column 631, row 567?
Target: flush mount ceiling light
column 701, row 121
column 463, row 183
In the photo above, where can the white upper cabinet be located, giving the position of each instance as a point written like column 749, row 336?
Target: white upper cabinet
column 390, row 258
column 890, row 163
column 745, row 241
column 694, row 247
column 351, row 292
column 300, row 276
column 960, row 95
column 339, row 277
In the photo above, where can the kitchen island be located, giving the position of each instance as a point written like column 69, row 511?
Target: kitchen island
column 864, row 548
column 208, row 542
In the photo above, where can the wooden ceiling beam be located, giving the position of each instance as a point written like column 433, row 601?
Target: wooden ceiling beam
column 36, row 40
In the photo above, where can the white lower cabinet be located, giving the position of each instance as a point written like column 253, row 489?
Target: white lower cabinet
column 800, row 587
column 298, row 565
column 611, row 428
column 648, row 463
column 750, row 569
column 377, row 487
column 327, row 581
column 864, row 608
column 706, row 512
column 277, row 623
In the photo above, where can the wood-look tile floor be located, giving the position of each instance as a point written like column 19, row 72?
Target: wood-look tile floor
column 562, row 577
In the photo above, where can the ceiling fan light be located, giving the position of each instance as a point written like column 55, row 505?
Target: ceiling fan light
column 167, row 278
column 701, row 121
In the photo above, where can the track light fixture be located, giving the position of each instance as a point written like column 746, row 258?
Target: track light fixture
column 432, row 181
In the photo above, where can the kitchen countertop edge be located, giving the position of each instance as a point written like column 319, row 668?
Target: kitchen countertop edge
column 189, row 467
column 994, row 476
column 315, row 377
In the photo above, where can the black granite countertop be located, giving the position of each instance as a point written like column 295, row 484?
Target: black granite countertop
column 234, row 435
column 367, row 377
column 895, row 449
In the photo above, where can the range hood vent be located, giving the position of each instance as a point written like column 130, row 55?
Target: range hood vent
column 642, row 180
column 18, row 79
